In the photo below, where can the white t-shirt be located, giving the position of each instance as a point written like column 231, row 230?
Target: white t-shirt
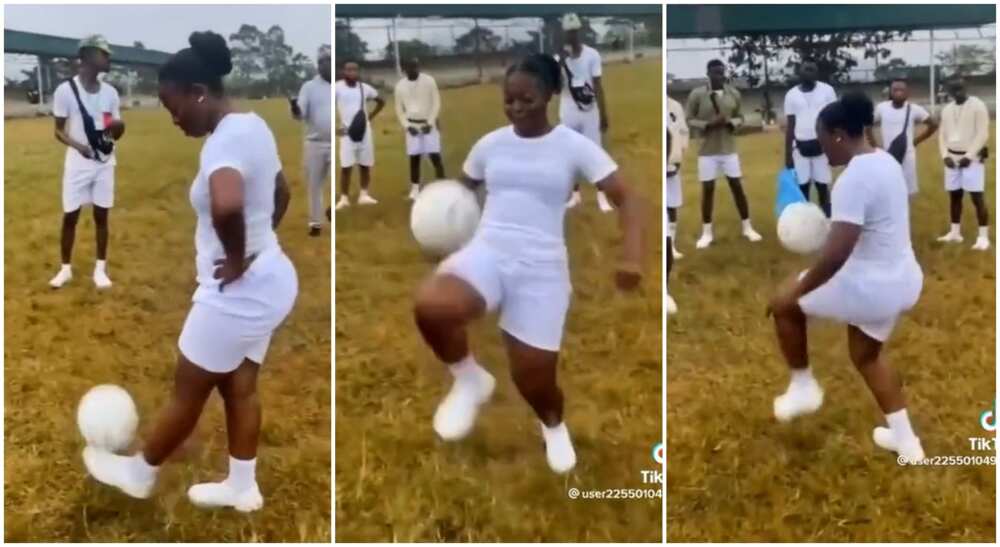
column 314, row 101
column 806, row 107
column 584, row 68
column 349, row 100
column 245, row 143
column 892, row 121
column 527, row 184
column 871, row 192
column 64, row 105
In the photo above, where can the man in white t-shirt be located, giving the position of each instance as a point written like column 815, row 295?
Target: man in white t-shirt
column 581, row 104
column 352, row 99
column 88, row 172
column 802, row 151
column 418, row 105
column 890, row 116
column 313, row 107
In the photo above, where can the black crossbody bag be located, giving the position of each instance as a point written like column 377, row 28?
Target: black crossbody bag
column 359, row 125
column 582, row 95
column 897, row 148
column 98, row 141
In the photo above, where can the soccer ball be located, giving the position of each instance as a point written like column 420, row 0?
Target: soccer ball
column 802, row 228
column 107, row 418
column 444, row 217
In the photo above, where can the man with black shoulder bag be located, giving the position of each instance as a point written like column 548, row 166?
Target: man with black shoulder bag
column 802, row 150
column 88, row 121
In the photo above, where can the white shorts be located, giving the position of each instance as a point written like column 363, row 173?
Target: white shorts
column 815, row 169
column 357, row 153
column 710, row 167
column 970, row 179
column 910, row 171
column 842, row 299
column 225, row 328
column 675, row 197
column 83, row 186
column 423, row 144
column 586, row 123
column 532, row 295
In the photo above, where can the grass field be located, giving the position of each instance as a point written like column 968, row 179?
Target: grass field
column 60, row 343
column 395, row 480
column 735, row 474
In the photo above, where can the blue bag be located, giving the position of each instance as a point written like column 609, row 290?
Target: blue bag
column 788, row 191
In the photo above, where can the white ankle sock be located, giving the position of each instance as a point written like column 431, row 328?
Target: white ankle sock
column 956, row 228
column 984, row 231
column 466, row 370
column 66, row 268
column 802, row 377
column 101, row 265
column 242, row 474
column 899, row 424
column 141, row 470
column 672, row 230
column 747, row 225
column 706, row 229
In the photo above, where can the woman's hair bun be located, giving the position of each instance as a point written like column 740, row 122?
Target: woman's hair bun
column 212, row 49
column 858, row 107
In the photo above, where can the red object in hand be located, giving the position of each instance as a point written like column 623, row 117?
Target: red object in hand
column 108, row 120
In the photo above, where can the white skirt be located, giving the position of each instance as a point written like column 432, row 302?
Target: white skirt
column 226, row 327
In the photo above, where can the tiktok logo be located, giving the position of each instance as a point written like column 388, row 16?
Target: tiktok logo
column 659, row 453
column 988, row 419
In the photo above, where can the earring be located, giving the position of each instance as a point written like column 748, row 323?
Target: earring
column 201, row 99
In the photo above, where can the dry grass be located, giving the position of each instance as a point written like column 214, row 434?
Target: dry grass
column 60, row 343
column 734, row 474
column 395, row 480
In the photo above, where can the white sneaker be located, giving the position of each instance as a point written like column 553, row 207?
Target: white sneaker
column 365, row 199
column 951, row 237
column 574, row 200
column 603, row 204
column 559, row 450
column 343, row 202
column 751, row 234
column 676, row 253
column 101, row 279
column 61, row 278
column 671, row 305
column 798, row 400
column 456, row 414
column 704, row 241
column 113, row 470
column 982, row 244
column 414, row 191
column 220, row 494
column 911, row 450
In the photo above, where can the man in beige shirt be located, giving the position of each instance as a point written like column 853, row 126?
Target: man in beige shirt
column 418, row 104
column 965, row 124
column 715, row 110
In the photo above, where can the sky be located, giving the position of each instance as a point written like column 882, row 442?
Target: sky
column 166, row 27
column 684, row 63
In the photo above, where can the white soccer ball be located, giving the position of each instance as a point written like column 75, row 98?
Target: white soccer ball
column 107, row 418
column 802, row 228
column 444, row 217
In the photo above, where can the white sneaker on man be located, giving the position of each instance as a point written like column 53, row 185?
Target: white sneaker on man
column 603, row 204
column 222, row 494
column 64, row 276
column 909, row 449
column 366, row 199
column 101, row 279
column 671, row 305
column 982, row 244
column 119, row 472
column 414, row 191
column 343, row 202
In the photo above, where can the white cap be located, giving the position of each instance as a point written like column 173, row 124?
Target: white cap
column 571, row 21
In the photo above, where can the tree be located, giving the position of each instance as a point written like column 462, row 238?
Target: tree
column 138, row 45
column 488, row 41
column 895, row 68
column 832, row 53
column 618, row 33
column 528, row 46
column 348, row 44
column 409, row 49
column 263, row 64
column 965, row 59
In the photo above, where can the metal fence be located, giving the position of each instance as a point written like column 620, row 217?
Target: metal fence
column 463, row 51
column 924, row 59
